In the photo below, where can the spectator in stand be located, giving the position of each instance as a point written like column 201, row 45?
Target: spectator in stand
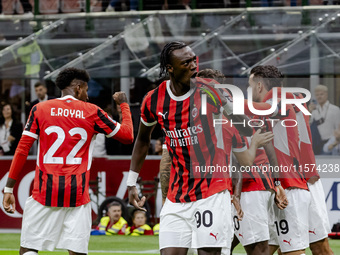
column 121, row 5
column 26, row 6
column 139, row 226
column 158, row 146
column 333, row 144
column 10, row 131
column 113, row 223
column 41, row 92
column 176, row 5
column 324, row 120
column 156, row 229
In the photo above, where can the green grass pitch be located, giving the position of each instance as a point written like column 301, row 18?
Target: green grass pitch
column 122, row 245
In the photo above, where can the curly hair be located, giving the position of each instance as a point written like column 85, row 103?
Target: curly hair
column 212, row 74
column 66, row 76
column 271, row 76
column 166, row 55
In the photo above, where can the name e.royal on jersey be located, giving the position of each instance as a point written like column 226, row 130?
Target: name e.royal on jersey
column 67, row 113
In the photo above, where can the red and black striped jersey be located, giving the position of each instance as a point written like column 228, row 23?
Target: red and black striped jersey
column 286, row 144
column 257, row 177
column 65, row 129
column 196, row 147
column 307, row 156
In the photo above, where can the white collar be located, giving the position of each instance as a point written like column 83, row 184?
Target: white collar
column 324, row 106
column 176, row 98
column 67, row 97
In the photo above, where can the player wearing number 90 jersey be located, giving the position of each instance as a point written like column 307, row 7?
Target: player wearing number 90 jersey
column 59, row 214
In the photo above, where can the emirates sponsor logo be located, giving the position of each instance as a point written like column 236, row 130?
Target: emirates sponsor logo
column 183, row 137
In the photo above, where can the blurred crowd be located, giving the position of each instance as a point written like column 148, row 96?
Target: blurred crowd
column 26, row 7
column 324, row 122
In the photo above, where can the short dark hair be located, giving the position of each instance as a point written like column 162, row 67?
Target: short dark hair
column 3, row 104
column 66, row 76
column 114, row 203
column 271, row 76
column 166, row 55
column 38, row 84
column 212, row 74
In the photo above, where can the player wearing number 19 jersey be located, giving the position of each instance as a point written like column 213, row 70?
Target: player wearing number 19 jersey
column 59, row 213
column 291, row 224
column 319, row 227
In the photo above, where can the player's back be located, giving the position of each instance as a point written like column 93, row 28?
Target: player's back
column 65, row 128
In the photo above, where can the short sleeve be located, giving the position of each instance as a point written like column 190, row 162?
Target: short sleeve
column 147, row 117
column 105, row 124
column 238, row 141
column 32, row 126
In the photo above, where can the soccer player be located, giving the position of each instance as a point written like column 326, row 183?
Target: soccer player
column 197, row 211
column 291, row 224
column 257, row 193
column 58, row 214
column 318, row 217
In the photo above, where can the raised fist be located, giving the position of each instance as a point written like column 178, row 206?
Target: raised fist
column 120, row 97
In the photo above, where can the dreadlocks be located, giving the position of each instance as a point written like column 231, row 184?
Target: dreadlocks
column 166, row 54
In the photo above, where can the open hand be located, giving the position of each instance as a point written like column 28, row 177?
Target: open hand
column 261, row 139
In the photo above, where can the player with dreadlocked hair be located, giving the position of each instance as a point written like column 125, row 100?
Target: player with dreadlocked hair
column 196, row 213
column 166, row 55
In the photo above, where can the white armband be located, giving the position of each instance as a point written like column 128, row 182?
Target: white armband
column 8, row 190
column 132, row 178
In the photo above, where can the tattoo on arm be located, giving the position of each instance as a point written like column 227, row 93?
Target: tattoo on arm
column 164, row 170
column 236, row 178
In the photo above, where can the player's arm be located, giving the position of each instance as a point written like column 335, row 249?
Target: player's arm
column 237, row 188
column 244, row 129
column 17, row 164
column 227, row 109
column 280, row 199
column 139, row 153
column 125, row 132
column 164, row 173
column 247, row 157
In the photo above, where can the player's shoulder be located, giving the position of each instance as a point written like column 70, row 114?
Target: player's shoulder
column 161, row 87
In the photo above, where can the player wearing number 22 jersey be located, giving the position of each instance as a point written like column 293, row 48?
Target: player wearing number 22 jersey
column 66, row 128
column 59, row 213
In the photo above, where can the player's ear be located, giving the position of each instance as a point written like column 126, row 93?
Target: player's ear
column 169, row 68
column 77, row 91
column 259, row 86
